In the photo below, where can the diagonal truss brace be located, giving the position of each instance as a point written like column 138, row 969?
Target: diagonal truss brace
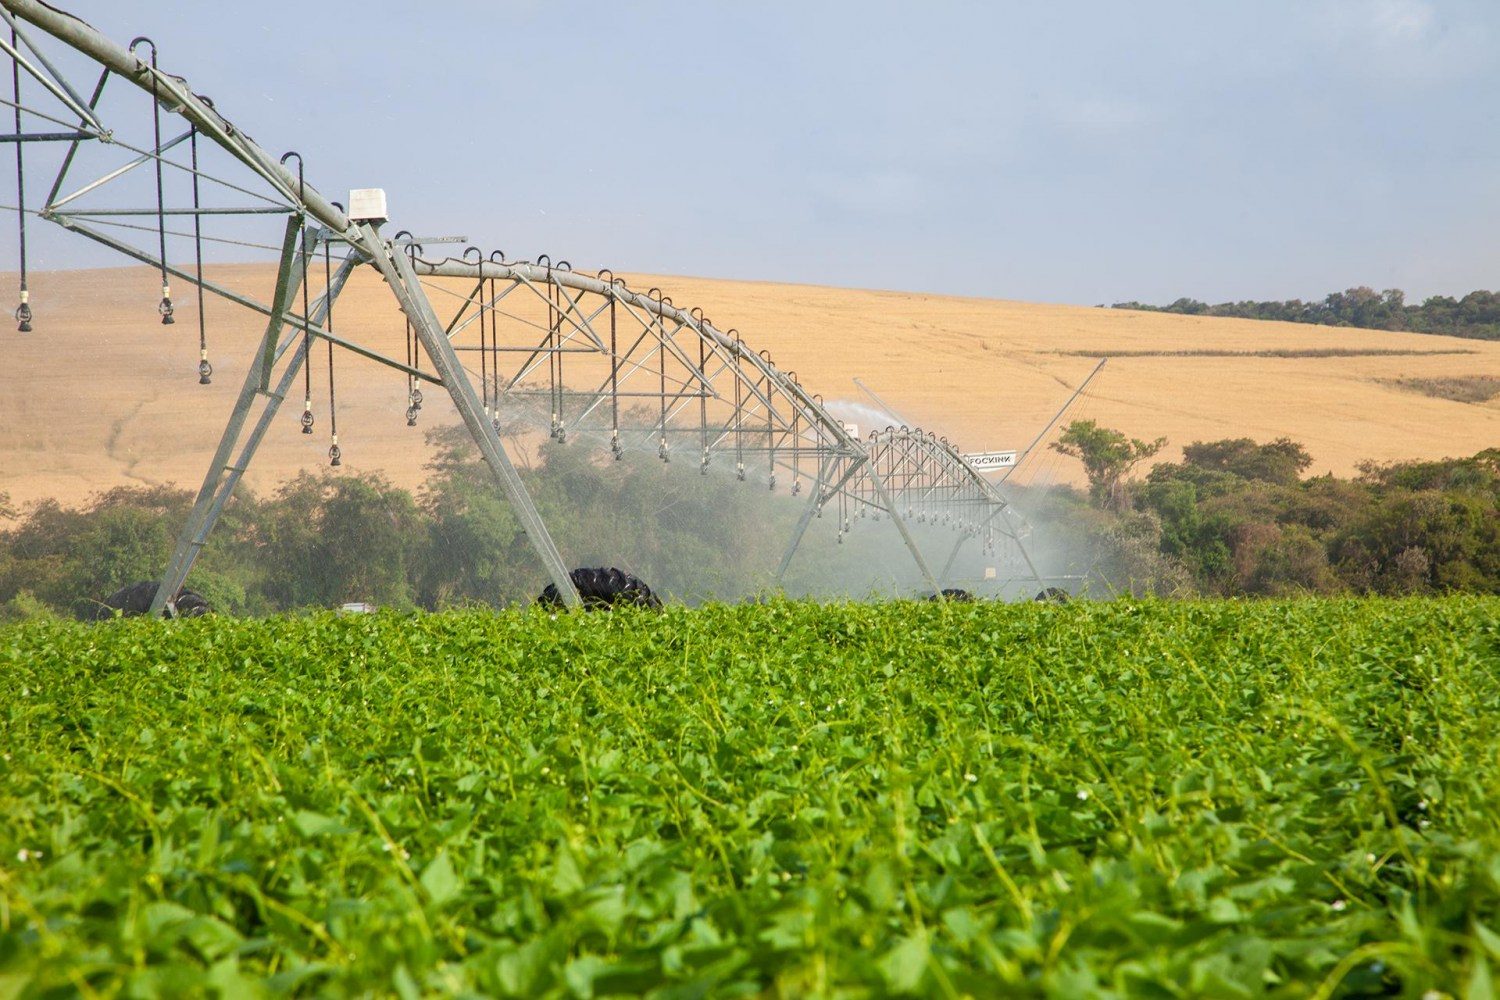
column 397, row 270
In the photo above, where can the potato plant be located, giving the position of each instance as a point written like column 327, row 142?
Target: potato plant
column 1291, row 798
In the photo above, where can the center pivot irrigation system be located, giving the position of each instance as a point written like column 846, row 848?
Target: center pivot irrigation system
column 626, row 368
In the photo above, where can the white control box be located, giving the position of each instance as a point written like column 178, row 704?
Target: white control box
column 368, row 205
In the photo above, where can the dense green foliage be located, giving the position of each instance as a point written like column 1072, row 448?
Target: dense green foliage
column 1120, row 799
column 1244, row 522
column 323, row 540
column 1476, row 315
column 1235, row 517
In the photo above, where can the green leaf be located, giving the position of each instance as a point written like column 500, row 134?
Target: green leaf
column 440, row 880
column 581, row 972
column 1223, row 910
column 1480, row 985
column 880, row 885
column 1154, row 928
column 1488, row 939
column 313, row 824
column 904, row 965
column 13, row 984
column 406, row 986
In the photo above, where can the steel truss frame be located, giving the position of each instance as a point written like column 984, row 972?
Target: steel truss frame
column 629, row 370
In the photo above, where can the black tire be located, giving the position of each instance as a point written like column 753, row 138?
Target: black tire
column 1054, row 595
column 604, row 588
column 134, row 600
column 957, row 594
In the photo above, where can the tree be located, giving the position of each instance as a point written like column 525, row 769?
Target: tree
column 1108, row 457
column 1282, row 461
column 475, row 549
column 329, row 539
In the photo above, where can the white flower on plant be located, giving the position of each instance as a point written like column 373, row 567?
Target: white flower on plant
column 24, row 855
column 1422, row 805
column 971, row 777
column 1370, row 858
column 1338, row 905
column 1083, row 795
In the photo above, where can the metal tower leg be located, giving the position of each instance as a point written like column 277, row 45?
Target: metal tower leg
column 901, row 526
column 1035, row 574
column 952, row 556
column 814, row 501
column 398, row 273
column 223, row 475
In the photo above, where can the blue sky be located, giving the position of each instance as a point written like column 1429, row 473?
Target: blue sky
column 1078, row 152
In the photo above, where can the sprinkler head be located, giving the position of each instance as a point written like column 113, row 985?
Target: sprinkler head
column 416, row 398
column 23, row 316
column 307, row 419
column 205, row 372
column 165, row 308
column 335, row 456
column 411, row 416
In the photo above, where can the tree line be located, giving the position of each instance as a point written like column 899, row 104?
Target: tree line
column 1237, row 517
column 1476, row 315
column 1233, row 517
column 323, row 540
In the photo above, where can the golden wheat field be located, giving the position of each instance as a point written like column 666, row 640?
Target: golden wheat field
column 100, row 394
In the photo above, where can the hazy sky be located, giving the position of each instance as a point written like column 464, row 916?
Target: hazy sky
column 1071, row 151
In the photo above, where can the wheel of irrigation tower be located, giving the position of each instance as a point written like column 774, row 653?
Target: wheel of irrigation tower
column 134, row 600
column 958, row 594
column 604, row 588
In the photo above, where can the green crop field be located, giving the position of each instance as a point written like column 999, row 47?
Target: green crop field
column 1115, row 799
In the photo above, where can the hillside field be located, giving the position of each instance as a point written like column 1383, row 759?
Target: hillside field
column 1227, row 799
column 102, row 395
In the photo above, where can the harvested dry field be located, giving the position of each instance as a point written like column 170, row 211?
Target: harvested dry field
column 101, row 394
